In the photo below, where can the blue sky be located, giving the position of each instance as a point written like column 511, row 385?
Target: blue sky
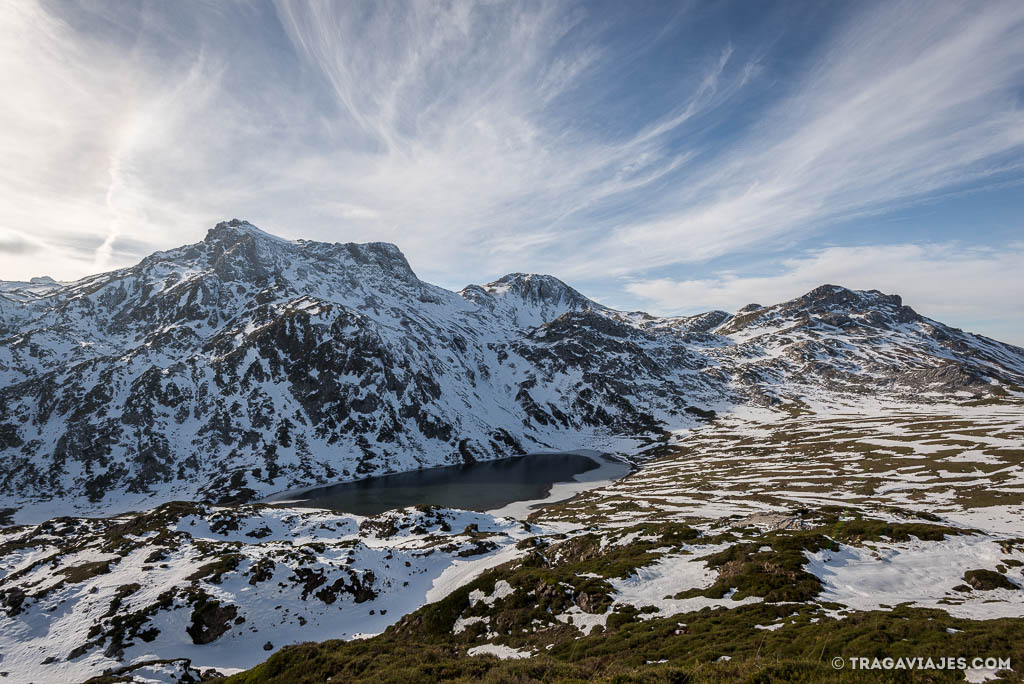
column 671, row 157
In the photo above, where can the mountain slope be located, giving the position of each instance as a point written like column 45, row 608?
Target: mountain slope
column 246, row 364
column 833, row 341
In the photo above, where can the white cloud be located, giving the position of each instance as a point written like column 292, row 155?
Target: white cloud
column 460, row 152
column 348, row 211
column 92, row 136
column 980, row 289
column 905, row 101
column 484, row 137
column 433, row 126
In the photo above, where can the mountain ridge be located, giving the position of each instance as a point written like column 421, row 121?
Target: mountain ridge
column 246, row 364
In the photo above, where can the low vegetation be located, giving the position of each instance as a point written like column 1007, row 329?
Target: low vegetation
column 713, row 645
column 788, row 636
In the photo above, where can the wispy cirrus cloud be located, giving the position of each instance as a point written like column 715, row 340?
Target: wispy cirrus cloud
column 90, row 132
column 445, row 127
column 599, row 142
column 466, row 144
column 903, row 102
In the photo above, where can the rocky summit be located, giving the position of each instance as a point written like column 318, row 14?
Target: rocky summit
column 247, row 364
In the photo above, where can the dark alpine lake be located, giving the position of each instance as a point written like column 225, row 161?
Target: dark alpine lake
column 477, row 486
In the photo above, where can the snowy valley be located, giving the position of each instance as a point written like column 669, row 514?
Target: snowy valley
column 831, row 476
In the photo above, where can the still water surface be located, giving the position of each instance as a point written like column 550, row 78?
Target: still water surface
column 480, row 486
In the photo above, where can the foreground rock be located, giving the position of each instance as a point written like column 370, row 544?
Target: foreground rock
column 209, row 587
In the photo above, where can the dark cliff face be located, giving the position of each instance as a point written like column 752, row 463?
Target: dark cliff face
column 246, row 364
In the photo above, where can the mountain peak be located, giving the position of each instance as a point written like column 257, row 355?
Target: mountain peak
column 537, row 288
column 838, row 298
column 238, row 246
column 828, row 304
column 235, row 229
column 530, row 299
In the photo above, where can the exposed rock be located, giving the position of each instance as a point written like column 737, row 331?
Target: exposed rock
column 210, row 619
column 987, row 580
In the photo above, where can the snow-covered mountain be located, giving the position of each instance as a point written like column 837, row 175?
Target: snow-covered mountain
column 247, row 364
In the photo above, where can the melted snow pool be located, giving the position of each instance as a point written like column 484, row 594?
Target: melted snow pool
column 509, row 485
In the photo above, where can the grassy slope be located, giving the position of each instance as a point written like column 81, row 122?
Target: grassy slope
column 422, row 647
column 851, row 465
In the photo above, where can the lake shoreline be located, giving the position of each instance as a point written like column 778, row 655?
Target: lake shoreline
column 609, row 470
column 606, row 469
